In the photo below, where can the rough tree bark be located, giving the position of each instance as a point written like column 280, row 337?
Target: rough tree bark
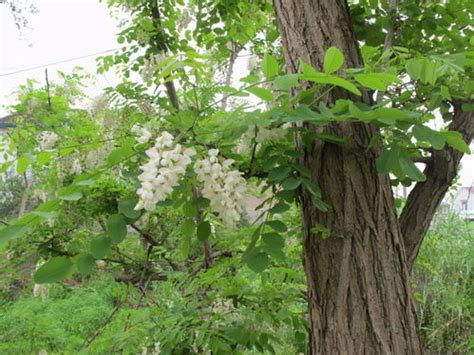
column 358, row 281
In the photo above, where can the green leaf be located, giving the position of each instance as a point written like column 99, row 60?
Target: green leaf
column 85, row 264
column 258, row 262
column 44, row 157
column 320, row 204
column 280, row 208
column 269, row 66
column 304, row 114
column 274, row 239
column 100, row 247
column 312, row 188
column 116, row 228
column 12, row 232
column 127, row 207
column 286, row 82
column 455, row 140
column 426, row 134
column 54, row 270
column 189, row 209
column 261, row 93
column 291, row 183
column 277, row 226
column 333, row 60
column 321, row 230
column 410, row 170
column 122, row 152
column 279, row 173
column 250, row 79
column 333, row 80
column 388, row 115
column 188, row 228
column 274, row 251
column 73, row 196
column 45, row 215
column 414, row 68
column 389, row 159
column 70, row 193
column 22, row 165
column 147, row 24
column 308, row 70
column 269, row 162
column 376, row 81
column 204, row 230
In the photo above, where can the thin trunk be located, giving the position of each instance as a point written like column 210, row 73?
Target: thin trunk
column 358, row 283
column 25, row 197
column 230, row 70
column 441, row 170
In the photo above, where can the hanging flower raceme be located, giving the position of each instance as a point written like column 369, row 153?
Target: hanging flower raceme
column 223, row 187
column 144, row 135
column 47, row 140
column 149, row 67
column 167, row 163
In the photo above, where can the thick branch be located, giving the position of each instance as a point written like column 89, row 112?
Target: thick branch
column 230, row 70
column 161, row 46
column 426, row 196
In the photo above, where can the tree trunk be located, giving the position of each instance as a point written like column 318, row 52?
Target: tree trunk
column 358, row 282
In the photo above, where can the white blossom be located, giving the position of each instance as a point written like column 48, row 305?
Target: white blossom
column 76, row 167
column 149, row 67
column 47, row 139
column 144, row 135
column 167, row 163
column 274, row 134
column 223, row 187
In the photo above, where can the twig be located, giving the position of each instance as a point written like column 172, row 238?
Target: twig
column 145, row 235
column 223, row 253
column 47, row 87
column 104, row 324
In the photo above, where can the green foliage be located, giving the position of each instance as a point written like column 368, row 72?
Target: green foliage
column 60, row 324
column 443, row 280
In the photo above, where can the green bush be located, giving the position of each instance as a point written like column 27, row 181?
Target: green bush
column 61, row 323
column 444, row 286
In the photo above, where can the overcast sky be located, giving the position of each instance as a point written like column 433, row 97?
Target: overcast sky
column 67, row 29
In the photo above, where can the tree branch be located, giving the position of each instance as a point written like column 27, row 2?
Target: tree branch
column 161, row 46
column 230, row 70
column 145, row 235
column 426, row 196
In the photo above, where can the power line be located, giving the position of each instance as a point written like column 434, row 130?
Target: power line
column 56, row 63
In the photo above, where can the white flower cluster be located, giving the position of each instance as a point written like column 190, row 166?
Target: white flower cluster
column 274, row 134
column 76, row 167
column 222, row 306
column 149, row 67
column 183, row 20
column 161, row 173
column 224, row 187
column 144, row 135
column 47, row 139
column 97, row 156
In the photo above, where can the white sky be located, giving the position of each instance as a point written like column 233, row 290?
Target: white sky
column 65, row 29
